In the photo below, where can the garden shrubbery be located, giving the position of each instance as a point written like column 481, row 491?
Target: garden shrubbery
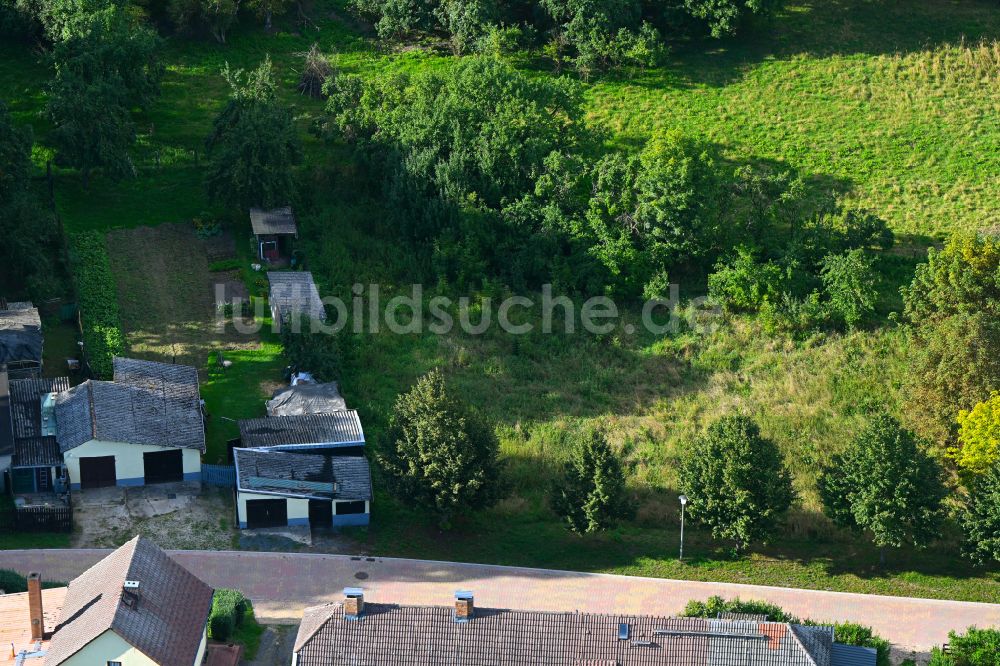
column 103, row 338
column 228, row 609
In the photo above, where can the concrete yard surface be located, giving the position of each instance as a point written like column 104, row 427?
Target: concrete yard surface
column 281, row 585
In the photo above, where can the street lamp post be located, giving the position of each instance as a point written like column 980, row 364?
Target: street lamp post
column 684, row 501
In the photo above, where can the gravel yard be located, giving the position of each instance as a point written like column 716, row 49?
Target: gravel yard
column 174, row 515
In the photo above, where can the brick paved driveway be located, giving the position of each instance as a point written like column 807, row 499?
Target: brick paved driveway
column 282, row 584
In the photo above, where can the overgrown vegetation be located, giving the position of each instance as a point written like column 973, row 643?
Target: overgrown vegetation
column 794, row 194
column 94, row 284
column 227, row 613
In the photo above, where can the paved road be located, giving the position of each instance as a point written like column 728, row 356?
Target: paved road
column 282, row 584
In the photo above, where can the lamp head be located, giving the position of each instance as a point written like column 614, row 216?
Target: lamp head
column 683, row 499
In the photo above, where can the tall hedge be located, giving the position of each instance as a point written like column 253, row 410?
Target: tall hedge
column 228, row 608
column 97, row 296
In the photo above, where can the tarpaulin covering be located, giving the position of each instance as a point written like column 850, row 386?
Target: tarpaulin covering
column 306, row 399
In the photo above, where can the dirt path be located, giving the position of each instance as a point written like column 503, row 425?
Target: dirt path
column 282, row 584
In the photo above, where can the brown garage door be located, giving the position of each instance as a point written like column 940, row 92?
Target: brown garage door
column 267, row 513
column 163, row 466
column 97, row 472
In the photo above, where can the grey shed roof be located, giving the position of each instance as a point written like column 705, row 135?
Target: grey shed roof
column 303, row 474
column 148, row 403
column 303, row 399
column 277, row 221
column 410, row 635
column 36, row 452
column 850, row 655
column 26, row 397
column 341, row 428
column 20, row 333
column 294, row 294
column 166, row 623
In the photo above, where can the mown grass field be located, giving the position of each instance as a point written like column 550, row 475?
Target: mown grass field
column 891, row 105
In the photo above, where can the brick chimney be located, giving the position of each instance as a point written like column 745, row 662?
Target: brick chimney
column 354, row 603
column 464, row 606
column 35, row 607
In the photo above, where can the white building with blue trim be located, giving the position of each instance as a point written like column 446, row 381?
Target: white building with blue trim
column 306, row 470
column 145, row 426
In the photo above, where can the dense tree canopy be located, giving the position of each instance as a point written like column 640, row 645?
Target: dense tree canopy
column 438, row 454
column 979, row 436
column 736, row 481
column 954, row 306
column 590, row 35
column 103, row 68
column 591, row 495
column 885, row 484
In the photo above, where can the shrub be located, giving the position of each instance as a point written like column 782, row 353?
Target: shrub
column 716, row 605
column 976, row 647
column 12, row 582
column 850, row 633
column 97, row 297
column 228, row 608
column 225, row 265
column 851, row 285
column 743, row 284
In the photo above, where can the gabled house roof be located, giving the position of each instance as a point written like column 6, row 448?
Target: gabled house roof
column 165, row 620
column 20, row 333
column 147, row 403
column 387, row 634
column 276, row 221
column 340, row 428
column 293, row 294
column 303, row 474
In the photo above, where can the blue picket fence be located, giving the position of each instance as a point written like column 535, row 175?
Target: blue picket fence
column 218, row 475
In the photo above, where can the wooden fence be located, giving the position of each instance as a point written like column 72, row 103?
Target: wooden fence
column 219, row 475
column 37, row 519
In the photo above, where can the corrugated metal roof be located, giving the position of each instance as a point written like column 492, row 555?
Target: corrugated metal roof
column 293, row 294
column 303, row 474
column 26, row 396
column 278, row 221
column 341, row 428
column 852, row 655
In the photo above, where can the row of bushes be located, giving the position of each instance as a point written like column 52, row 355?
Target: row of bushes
column 103, row 338
column 228, row 609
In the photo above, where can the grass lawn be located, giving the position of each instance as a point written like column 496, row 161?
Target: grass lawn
column 891, row 104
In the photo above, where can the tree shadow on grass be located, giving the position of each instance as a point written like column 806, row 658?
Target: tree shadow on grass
column 821, row 29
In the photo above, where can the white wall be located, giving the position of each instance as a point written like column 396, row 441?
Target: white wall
column 108, row 647
column 298, row 508
column 128, row 460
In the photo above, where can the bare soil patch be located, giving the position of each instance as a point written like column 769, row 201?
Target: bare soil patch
column 167, row 292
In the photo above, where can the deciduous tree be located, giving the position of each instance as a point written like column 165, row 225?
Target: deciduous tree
column 736, row 481
column 851, row 286
column 254, row 146
column 980, row 517
column 885, row 484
